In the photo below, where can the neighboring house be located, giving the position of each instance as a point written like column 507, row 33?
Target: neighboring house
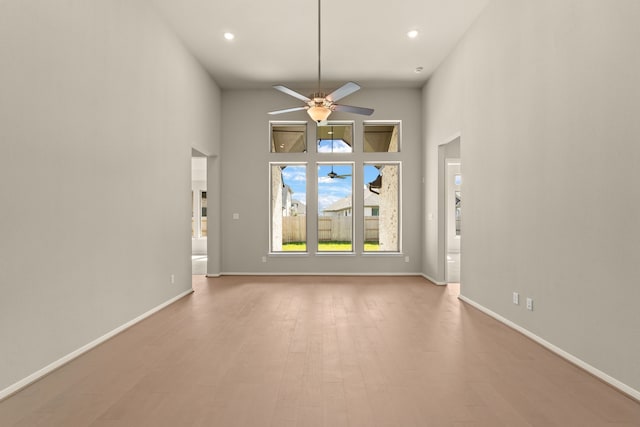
column 371, row 204
column 342, row 207
column 287, row 194
column 298, row 208
column 291, row 206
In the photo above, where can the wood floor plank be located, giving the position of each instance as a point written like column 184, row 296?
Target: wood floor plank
column 319, row 351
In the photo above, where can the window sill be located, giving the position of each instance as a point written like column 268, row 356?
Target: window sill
column 285, row 254
column 335, row 253
column 386, row 254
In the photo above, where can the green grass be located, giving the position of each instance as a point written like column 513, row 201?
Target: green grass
column 373, row 247
column 294, row 247
column 328, row 247
column 335, row 247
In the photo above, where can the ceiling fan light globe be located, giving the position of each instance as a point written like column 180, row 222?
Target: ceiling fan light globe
column 319, row 113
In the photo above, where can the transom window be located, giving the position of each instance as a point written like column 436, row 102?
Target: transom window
column 336, row 138
column 288, row 137
column 381, row 137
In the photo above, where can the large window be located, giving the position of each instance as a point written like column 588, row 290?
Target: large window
column 381, row 207
column 203, row 213
column 355, row 192
column 288, row 207
column 198, row 214
column 335, row 207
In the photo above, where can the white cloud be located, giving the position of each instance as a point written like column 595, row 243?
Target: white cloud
column 326, row 200
column 342, row 149
column 294, row 173
column 339, row 146
column 325, row 180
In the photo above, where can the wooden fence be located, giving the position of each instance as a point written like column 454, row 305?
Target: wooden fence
column 371, row 232
column 334, row 228
column 294, row 229
column 330, row 229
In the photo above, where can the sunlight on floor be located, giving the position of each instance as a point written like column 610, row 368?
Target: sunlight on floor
column 453, row 289
column 198, row 264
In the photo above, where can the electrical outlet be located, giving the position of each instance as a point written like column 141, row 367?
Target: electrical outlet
column 173, row 279
column 530, row 304
column 264, row 259
column 516, row 298
column 406, row 259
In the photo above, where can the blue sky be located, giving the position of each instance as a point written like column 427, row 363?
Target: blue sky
column 339, row 146
column 329, row 190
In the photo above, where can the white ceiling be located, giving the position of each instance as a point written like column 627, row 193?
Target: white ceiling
column 362, row 40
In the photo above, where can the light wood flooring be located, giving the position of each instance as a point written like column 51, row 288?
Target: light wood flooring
column 319, row 351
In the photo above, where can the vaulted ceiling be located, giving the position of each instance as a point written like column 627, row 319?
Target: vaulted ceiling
column 276, row 41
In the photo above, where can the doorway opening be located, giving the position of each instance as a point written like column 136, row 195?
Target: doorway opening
column 453, row 220
column 450, row 211
column 199, row 226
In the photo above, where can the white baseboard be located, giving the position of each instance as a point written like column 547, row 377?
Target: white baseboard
column 434, row 281
column 213, row 275
column 69, row 357
column 635, row 394
column 307, row 273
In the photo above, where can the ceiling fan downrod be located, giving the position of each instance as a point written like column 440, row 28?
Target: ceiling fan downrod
column 320, row 105
column 319, row 94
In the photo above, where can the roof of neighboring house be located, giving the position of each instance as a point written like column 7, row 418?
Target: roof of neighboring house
column 301, row 207
column 339, row 205
column 370, row 199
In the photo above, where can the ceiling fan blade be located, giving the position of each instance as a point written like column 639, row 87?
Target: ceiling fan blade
column 343, row 176
column 344, row 90
column 288, row 110
column 351, row 109
column 291, row 92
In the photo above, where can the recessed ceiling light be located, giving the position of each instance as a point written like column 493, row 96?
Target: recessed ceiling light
column 412, row 34
column 229, row 36
column 418, row 69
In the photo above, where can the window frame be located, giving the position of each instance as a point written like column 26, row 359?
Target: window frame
column 357, row 158
column 327, row 162
column 270, row 201
column 398, row 164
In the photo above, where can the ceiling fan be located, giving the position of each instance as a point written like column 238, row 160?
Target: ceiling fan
column 334, row 175
column 320, row 105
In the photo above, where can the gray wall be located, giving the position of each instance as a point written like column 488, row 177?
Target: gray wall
column 245, row 182
column 99, row 108
column 545, row 95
